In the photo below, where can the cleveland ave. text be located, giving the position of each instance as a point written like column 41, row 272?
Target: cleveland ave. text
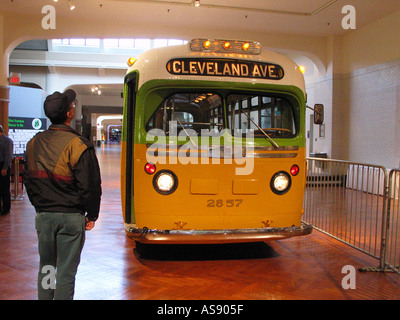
column 225, row 68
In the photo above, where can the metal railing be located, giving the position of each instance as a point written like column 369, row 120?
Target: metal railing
column 392, row 237
column 350, row 202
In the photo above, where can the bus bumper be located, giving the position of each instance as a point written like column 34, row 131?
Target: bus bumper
column 146, row 235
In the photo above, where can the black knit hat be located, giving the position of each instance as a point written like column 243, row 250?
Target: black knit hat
column 57, row 105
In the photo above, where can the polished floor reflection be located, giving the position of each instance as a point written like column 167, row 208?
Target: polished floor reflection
column 113, row 268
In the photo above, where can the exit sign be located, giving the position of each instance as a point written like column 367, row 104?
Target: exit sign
column 15, row 78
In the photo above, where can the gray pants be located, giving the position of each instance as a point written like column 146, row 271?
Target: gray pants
column 61, row 237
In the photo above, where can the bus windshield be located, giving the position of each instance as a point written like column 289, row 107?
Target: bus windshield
column 193, row 112
column 273, row 115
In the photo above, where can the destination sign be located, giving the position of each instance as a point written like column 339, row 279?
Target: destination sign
column 225, row 68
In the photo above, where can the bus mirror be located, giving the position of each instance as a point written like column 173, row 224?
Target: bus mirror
column 318, row 114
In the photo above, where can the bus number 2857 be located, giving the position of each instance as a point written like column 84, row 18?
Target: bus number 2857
column 224, row 203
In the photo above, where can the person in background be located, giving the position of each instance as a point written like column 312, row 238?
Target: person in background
column 6, row 154
column 62, row 180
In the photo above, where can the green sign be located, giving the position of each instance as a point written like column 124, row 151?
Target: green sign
column 27, row 123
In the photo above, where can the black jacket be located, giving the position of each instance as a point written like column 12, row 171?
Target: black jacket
column 62, row 173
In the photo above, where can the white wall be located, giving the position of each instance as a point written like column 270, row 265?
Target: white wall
column 369, row 96
column 361, row 94
column 371, row 103
column 66, row 77
column 374, row 44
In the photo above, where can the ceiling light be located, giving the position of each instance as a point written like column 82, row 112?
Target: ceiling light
column 96, row 90
column 196, row 3
column 71, row 5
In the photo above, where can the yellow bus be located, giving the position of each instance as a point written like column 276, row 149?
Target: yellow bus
column 213, row 144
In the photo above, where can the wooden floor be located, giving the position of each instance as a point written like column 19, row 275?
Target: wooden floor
column 112, row 269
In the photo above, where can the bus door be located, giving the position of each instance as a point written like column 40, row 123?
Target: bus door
column 127, row 152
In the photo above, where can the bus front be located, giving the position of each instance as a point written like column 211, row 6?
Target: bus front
column 213, row 145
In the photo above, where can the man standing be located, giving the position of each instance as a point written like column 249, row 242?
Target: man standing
column 6, row 153
column 62, row 179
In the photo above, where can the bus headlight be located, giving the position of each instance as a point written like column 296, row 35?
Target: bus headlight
column 280, row 182
column 165, row 182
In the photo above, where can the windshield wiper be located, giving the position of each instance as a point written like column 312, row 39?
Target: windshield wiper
column 186, row 132
column 259, row 128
